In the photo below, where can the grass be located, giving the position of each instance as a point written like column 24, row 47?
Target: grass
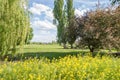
column 48, row 48
column 48, row 51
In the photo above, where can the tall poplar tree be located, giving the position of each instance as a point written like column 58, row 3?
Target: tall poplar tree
column 14, row 24
column 60, row 17
column 71, row 30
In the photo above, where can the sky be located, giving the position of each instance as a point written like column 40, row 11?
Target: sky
column 42, row 17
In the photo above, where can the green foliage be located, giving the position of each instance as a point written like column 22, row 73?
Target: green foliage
column 29, row 36
column 70, row 10
column 64, row 14
column 100, row 29
column 71, row 27
column 14, row 24
column 115, row 2
column 59, row 17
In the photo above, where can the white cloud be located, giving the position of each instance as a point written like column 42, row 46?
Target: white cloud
column 80, row 12
column 49, row 15
column 44, row 36
column 38, row 9
column 43, row 28
column 43, row 24
column 92, row 2
column 36, row 18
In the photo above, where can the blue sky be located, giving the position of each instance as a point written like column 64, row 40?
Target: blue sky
column 42, row 17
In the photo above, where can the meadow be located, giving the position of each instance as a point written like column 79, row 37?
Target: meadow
column 49, row 51
column 51, row 62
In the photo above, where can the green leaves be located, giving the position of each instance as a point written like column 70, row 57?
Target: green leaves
column 60, row 17
column 13, row 26
column 101, row 29
column 115, row 2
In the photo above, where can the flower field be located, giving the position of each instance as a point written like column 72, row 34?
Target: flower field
column 67, row 68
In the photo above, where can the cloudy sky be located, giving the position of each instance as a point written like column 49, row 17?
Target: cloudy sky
column 42, row 16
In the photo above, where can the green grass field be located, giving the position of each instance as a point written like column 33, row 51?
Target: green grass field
column 49, row 51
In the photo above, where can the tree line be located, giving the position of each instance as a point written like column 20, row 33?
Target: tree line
column 96, row 29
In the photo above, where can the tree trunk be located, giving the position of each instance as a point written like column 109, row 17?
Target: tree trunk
column 91, row 50
column 64, row 46
column 71, row 46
